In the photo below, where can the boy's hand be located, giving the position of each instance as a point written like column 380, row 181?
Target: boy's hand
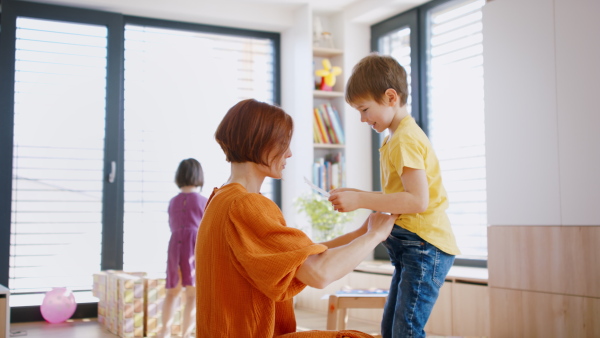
column 381, row 224
column 344, row 199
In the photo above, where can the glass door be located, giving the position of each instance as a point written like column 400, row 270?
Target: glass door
column 58, row 154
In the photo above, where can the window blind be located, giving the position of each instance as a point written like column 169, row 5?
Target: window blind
column 397, row 45
column 56, row 221
column 456, row 117
column 178, row 86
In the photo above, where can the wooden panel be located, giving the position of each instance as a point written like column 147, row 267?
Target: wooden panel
column 561, row 260
column 470, row 310
column 577, row 72
column 516, row 313
column 440, row 321
column 4, row 312
column 521, row 136
column 4, row 322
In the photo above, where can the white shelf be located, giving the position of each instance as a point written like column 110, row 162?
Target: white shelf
column 326, row 52
column 327, row 94
column 329, row 146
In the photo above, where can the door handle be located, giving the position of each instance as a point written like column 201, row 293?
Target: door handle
column 113, row 172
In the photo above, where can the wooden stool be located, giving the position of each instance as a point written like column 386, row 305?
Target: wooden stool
column 337, row 316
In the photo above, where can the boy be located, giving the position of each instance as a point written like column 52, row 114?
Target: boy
column 421, row 245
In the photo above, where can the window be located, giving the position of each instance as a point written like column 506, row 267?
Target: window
column 60, row 81
column 455, row 117
column 447, row 83
column 100, row 111
column 178, row 86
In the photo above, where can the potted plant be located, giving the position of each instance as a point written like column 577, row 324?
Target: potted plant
column 326, row 222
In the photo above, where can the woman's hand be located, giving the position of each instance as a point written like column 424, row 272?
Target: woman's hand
column 381, row 224
column 344, row 199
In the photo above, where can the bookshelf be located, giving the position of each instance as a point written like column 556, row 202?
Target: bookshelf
column 328, row 171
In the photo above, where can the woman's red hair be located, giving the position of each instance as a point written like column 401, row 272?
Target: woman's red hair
column 251, row 130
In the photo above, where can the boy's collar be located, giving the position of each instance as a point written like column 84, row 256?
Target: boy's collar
column 402, row 121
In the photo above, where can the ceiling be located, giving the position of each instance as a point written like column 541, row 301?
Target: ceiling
column 273, row 15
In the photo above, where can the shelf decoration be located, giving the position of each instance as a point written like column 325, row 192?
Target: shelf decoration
column 326, row 222
column 328, row 74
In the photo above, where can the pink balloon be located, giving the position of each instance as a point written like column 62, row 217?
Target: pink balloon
column 58, row 305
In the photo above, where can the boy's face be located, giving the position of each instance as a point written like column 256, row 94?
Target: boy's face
column 378, row 116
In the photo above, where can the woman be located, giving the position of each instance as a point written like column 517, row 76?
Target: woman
column 249, row 264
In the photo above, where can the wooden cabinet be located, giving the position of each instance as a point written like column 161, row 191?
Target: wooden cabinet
column 4, row 312
column 440, row 320
column 470, row 309
column 462, row 308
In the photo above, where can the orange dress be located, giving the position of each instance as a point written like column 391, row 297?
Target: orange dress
column 246, row 262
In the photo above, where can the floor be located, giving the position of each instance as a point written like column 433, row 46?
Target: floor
column 89, row 328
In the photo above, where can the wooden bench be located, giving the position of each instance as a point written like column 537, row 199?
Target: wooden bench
column 337, row 316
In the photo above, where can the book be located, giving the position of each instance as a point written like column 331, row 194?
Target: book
column 336, row 122
column 328, row 171
column 365, row 292
column 328, row 124
column 316, row 132
column 321, row 125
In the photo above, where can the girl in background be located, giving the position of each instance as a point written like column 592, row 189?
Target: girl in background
column 185, row 213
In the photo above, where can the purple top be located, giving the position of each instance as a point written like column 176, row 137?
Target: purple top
column 185, row 213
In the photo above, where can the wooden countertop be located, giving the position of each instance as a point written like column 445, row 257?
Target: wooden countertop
column 456, row 274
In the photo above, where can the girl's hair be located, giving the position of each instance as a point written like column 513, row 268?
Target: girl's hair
column 189, row 173
column 251, row 130
column 373, row 75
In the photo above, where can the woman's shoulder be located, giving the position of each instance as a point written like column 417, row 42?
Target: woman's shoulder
column 255, row 200
column 237, row 194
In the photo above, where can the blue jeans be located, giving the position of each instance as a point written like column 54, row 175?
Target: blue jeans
column 420, row 270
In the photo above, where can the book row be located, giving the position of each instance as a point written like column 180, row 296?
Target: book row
column 327, row 125
column 329, row 172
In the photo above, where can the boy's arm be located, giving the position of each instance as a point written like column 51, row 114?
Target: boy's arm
column 352, row 189
column 414, row 199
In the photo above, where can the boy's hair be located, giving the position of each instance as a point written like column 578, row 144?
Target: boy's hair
column 189, row 173
column 251, row 130
column 373, row 75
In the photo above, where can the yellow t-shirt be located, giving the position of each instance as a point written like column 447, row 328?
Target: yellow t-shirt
column 410, row 147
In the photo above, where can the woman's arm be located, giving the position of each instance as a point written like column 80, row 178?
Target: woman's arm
column 347, row 238
column 320, row 270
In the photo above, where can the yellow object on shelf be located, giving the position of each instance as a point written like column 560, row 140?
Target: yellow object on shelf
column 328, row 73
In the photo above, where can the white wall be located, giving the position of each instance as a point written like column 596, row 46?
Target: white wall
column 542, row 140
column 296, row 100
column 228, row 13
column 578, row 76
column 356, row 37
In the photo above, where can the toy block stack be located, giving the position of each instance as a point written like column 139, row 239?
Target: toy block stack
column 130, row 304
column 99, row 291
column 155, row 296
column 120, row 301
